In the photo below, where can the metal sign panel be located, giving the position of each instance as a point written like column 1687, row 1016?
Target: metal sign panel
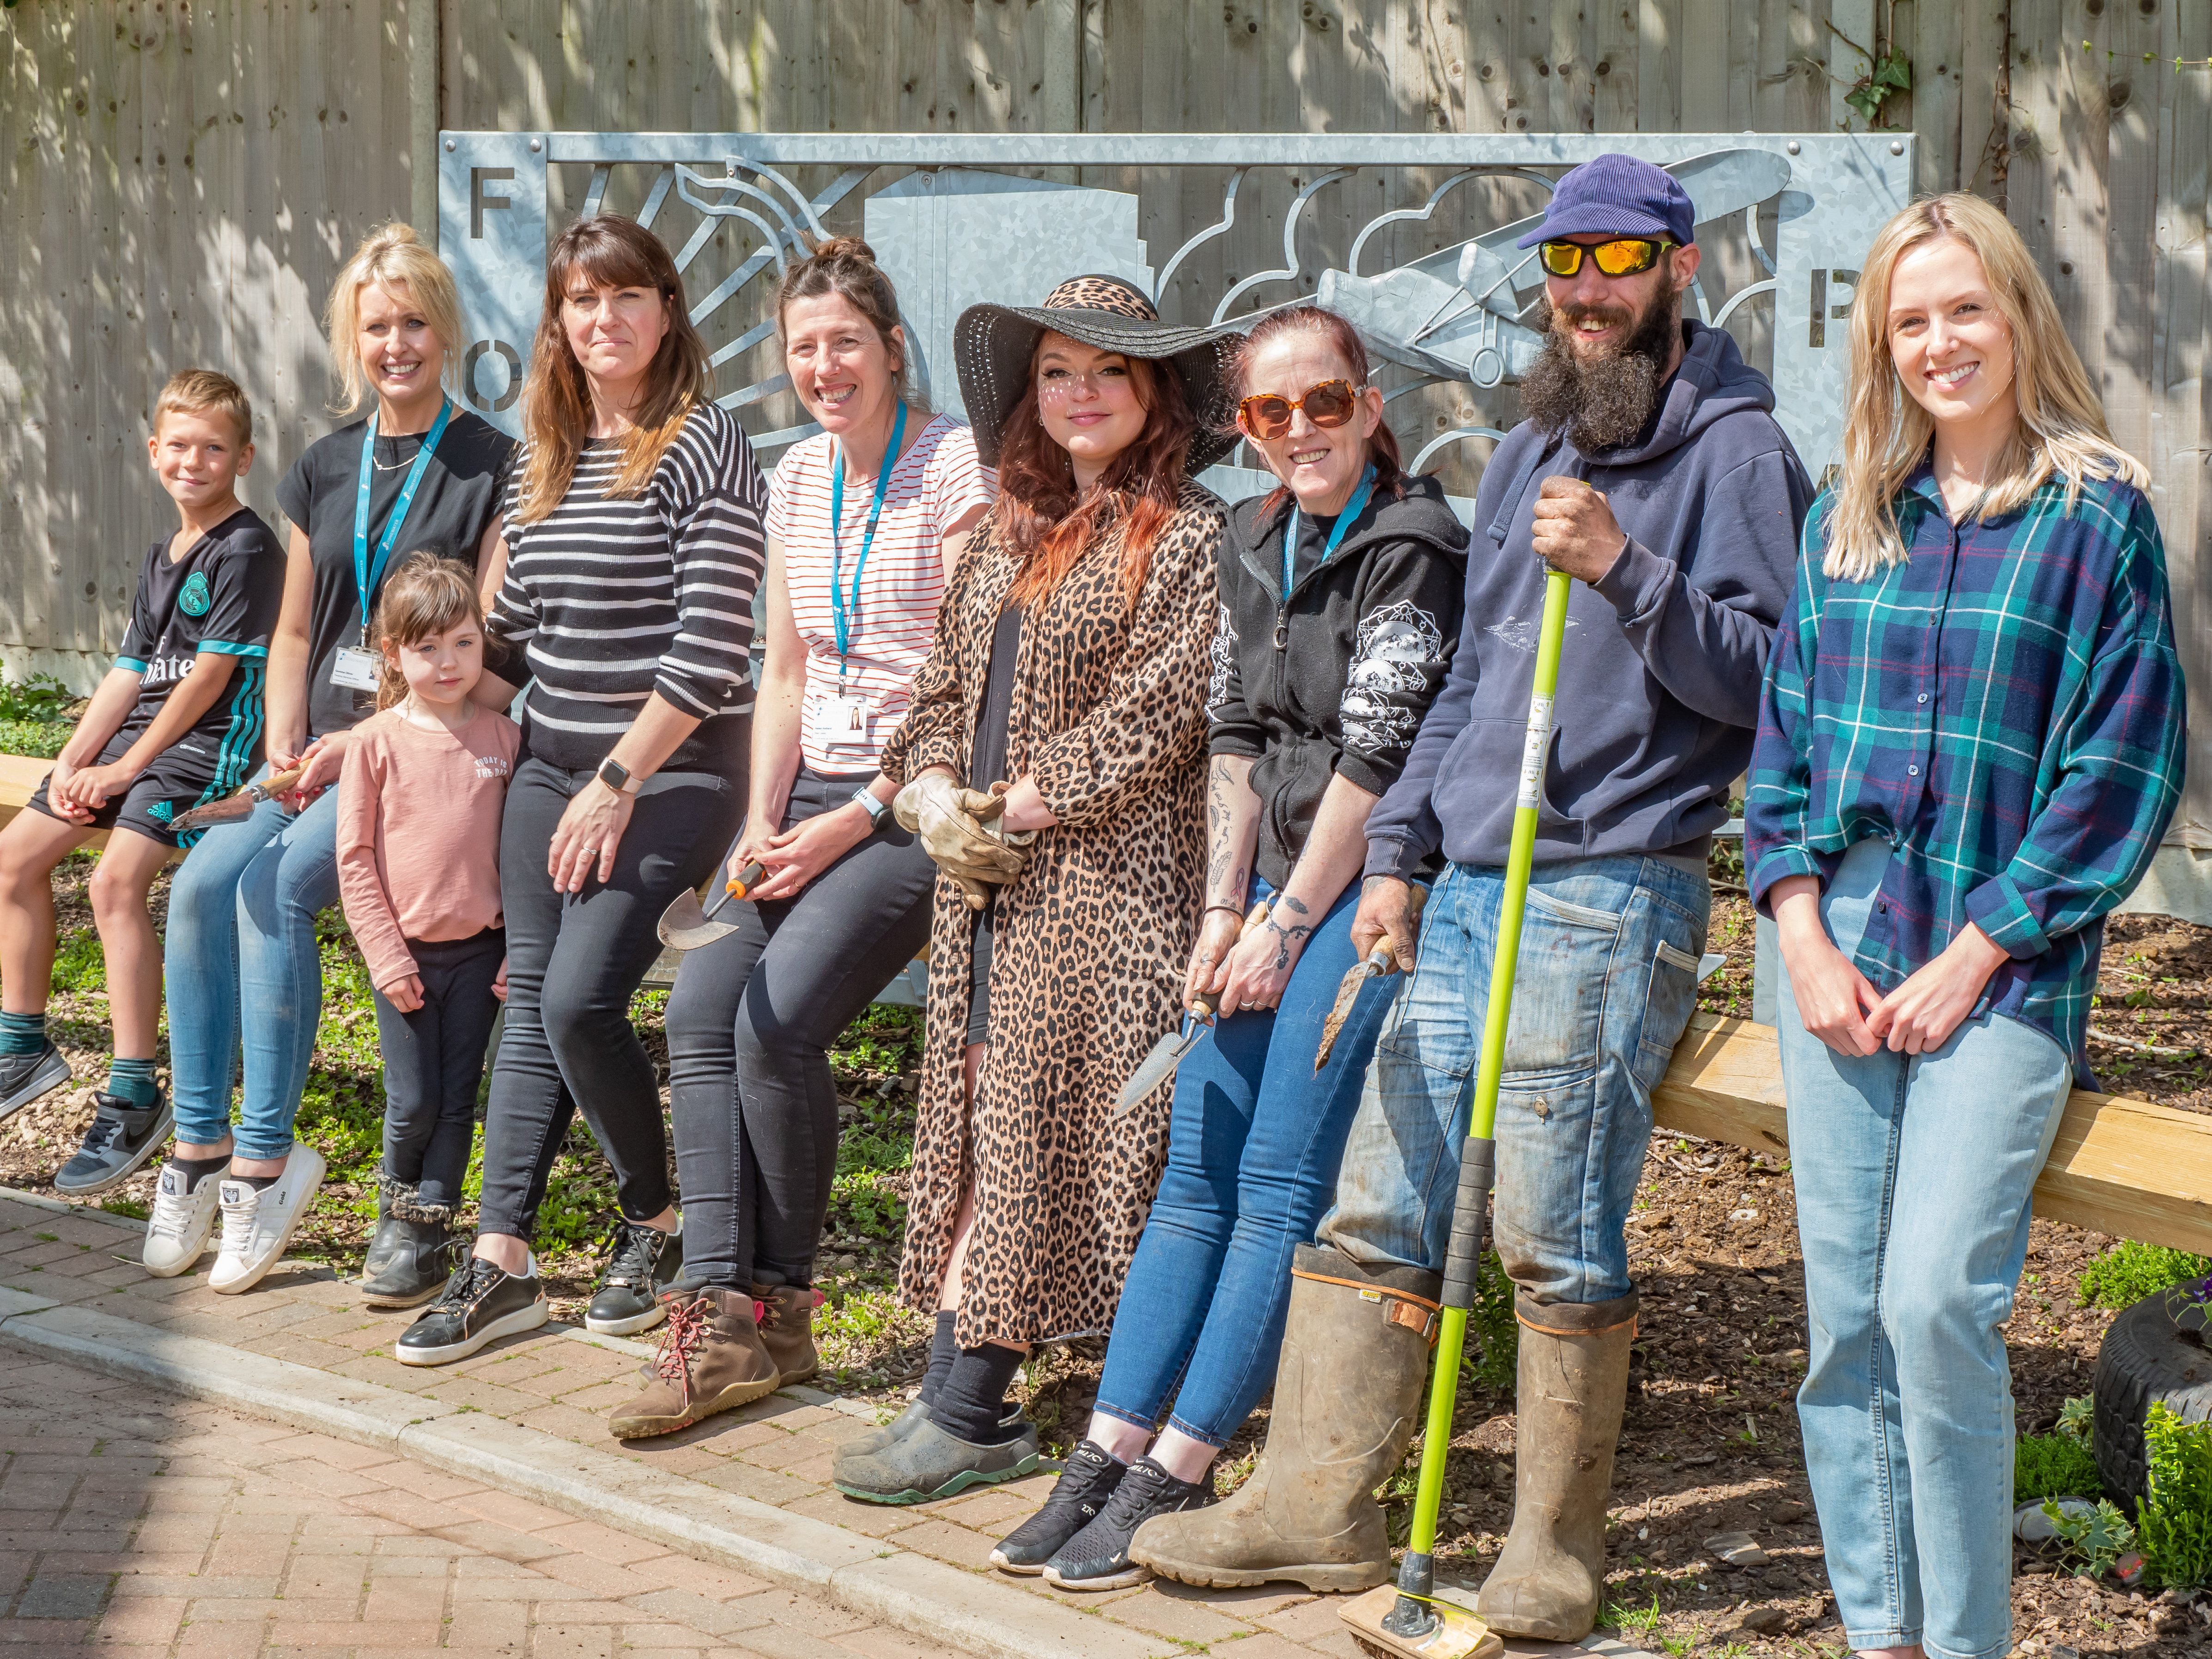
column 954, row 222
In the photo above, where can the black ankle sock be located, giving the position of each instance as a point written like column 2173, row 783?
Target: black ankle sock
column 944, row 1349
column 972, row 1404
column 261, row 1183
column 197, row 1170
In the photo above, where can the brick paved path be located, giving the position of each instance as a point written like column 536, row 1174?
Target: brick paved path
column 135, row 1523
column 777, row 1450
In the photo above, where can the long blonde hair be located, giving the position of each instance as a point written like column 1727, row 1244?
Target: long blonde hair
column 611, row 251
column 2060, row 430
column 391, row 258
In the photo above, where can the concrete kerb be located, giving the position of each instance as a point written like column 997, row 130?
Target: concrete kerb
column 962, row 1609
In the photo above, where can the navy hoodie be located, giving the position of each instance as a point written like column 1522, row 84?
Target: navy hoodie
column 1659, row 678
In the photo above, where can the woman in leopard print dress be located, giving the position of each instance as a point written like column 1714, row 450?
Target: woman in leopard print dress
column 1069, row 671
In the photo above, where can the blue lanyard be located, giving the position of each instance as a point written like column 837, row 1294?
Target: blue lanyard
column 1336, row 535
column 367, row 575
column 838, row 604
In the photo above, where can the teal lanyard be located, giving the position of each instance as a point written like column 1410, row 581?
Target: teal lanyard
column 839, row 610
column 1336, row 532
column 367, row 575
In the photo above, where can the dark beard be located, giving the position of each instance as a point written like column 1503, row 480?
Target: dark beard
column 1604, row 403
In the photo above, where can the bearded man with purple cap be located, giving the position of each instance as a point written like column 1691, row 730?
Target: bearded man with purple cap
column 1649, row 468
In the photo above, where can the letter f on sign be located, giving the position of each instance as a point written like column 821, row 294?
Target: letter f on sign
column 478, row 202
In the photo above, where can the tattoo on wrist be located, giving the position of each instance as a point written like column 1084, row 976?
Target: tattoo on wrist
column 1285, row 937
column 1289, row 903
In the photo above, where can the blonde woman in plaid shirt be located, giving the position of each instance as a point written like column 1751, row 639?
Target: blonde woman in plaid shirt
column 1969, row 746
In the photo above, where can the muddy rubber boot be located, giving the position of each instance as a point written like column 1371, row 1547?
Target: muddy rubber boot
column 1347, row 1404
column 787, row 1330
column 710, row 1360
column 1573, row 1382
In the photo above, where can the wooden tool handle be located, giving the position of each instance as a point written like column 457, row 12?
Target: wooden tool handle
column 277, row 783
column 1384, row 958
column 745, row 880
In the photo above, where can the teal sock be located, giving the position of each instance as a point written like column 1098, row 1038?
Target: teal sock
column 131, row 1081
column 22, row 1034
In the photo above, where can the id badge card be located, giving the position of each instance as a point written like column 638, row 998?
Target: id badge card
column 355, row 669
column 840, row 721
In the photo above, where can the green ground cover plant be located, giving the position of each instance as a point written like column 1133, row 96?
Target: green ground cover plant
column 2129, row 1271
column 34, row 717
column 2173, row 1523
column 2052, row 1466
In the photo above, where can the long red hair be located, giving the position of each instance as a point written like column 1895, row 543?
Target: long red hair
column 1342, row 339
column 1048, row 525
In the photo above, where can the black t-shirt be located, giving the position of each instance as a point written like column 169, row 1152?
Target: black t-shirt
column 222, row 596
column 1313, row 543
column 986, row 762
column 459, row 496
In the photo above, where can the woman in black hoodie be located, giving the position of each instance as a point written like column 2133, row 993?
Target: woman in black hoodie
column 1341, row 596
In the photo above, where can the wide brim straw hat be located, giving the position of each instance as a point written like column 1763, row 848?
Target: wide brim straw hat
column 993, row 346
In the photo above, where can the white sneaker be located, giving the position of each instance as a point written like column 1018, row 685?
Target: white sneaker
column 258, row 1222
column 176, row 1232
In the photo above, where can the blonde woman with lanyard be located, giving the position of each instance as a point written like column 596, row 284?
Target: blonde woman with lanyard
column 845, row 901
column 242, row 920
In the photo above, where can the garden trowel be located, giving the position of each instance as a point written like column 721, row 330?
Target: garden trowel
column 238, row 806
column 1167, row 1053
column 1382, row 960
column 685, row 925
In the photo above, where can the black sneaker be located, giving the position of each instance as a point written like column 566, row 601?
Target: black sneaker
column 1098, row 1557
column 479, row 1304
column 118, row 1141
column 641, row 1262
column 24, row 1077
column 1087, row 1480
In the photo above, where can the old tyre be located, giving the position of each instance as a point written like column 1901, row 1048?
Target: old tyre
column 2156, row 1351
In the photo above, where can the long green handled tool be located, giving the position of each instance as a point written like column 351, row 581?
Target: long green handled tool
column 1409, row 1619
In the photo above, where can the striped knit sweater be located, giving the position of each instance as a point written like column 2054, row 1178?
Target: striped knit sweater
column 612, row 600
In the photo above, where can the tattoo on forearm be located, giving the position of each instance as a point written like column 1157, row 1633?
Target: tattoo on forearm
column 1289, row 903
column 1285, row 938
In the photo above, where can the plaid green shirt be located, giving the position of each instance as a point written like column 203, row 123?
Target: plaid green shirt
column 2005, row 709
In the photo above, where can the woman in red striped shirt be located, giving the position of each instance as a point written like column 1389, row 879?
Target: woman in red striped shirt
column 865, row 524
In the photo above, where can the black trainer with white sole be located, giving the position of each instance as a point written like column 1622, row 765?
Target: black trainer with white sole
column 120, row 1139
column 24, row 1077
column 642, row 1262
column 1087, row 1480
column 1098, row 1557
column 480, row 1304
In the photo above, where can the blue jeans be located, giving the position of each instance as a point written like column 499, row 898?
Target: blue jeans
column 1253, row 1138
column 241, row 934
column 1608, row 974
column 1913, row 1176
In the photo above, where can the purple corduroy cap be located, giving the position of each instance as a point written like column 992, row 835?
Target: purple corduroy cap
column 1617, row 196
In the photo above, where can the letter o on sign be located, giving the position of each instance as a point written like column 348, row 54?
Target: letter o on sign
column 504, row 398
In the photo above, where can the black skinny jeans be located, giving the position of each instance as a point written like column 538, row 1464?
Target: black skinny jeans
column 573, row 961
column 434, row 1058
column 749, row 1024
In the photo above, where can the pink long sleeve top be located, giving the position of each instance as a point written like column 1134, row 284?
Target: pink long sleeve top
column 418, row 834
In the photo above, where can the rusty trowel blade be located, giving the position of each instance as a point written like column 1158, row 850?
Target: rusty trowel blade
column 1347, row 994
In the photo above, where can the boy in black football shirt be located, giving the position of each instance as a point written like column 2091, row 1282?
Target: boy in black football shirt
column 177, row 721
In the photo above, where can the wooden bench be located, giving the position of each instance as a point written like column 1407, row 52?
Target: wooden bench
column 2119, row 1166
column 20, row 777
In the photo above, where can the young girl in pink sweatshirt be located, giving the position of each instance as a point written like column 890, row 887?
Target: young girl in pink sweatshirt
column 418, row 868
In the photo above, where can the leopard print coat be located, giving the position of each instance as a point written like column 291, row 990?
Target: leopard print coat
column 1092, row 939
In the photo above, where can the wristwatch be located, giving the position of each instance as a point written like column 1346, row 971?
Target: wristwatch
column 875, row 808
column 616, row 777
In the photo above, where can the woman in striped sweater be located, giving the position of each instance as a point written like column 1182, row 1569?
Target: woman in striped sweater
column 634, row 531
column 865, row 524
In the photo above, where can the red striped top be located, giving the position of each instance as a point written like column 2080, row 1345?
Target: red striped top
column 937, row 481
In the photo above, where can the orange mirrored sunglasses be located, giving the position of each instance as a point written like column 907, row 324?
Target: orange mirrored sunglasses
column 1266, row 416
column 1628, row 256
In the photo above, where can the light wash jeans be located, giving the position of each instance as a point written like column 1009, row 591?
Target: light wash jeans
column 1912, row 1175
column 1255, row 1137
column 1608, row 974
column 241, row 935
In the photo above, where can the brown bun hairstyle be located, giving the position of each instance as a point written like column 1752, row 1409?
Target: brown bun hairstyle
column 606, row 251
column 846, row 266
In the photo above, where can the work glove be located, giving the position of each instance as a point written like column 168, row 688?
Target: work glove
column 959, row 829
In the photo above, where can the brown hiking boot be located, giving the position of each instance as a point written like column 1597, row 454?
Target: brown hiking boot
column 1573, row 1382
column 710, row 1360
column 1347, row 1402
column 787, row 1330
